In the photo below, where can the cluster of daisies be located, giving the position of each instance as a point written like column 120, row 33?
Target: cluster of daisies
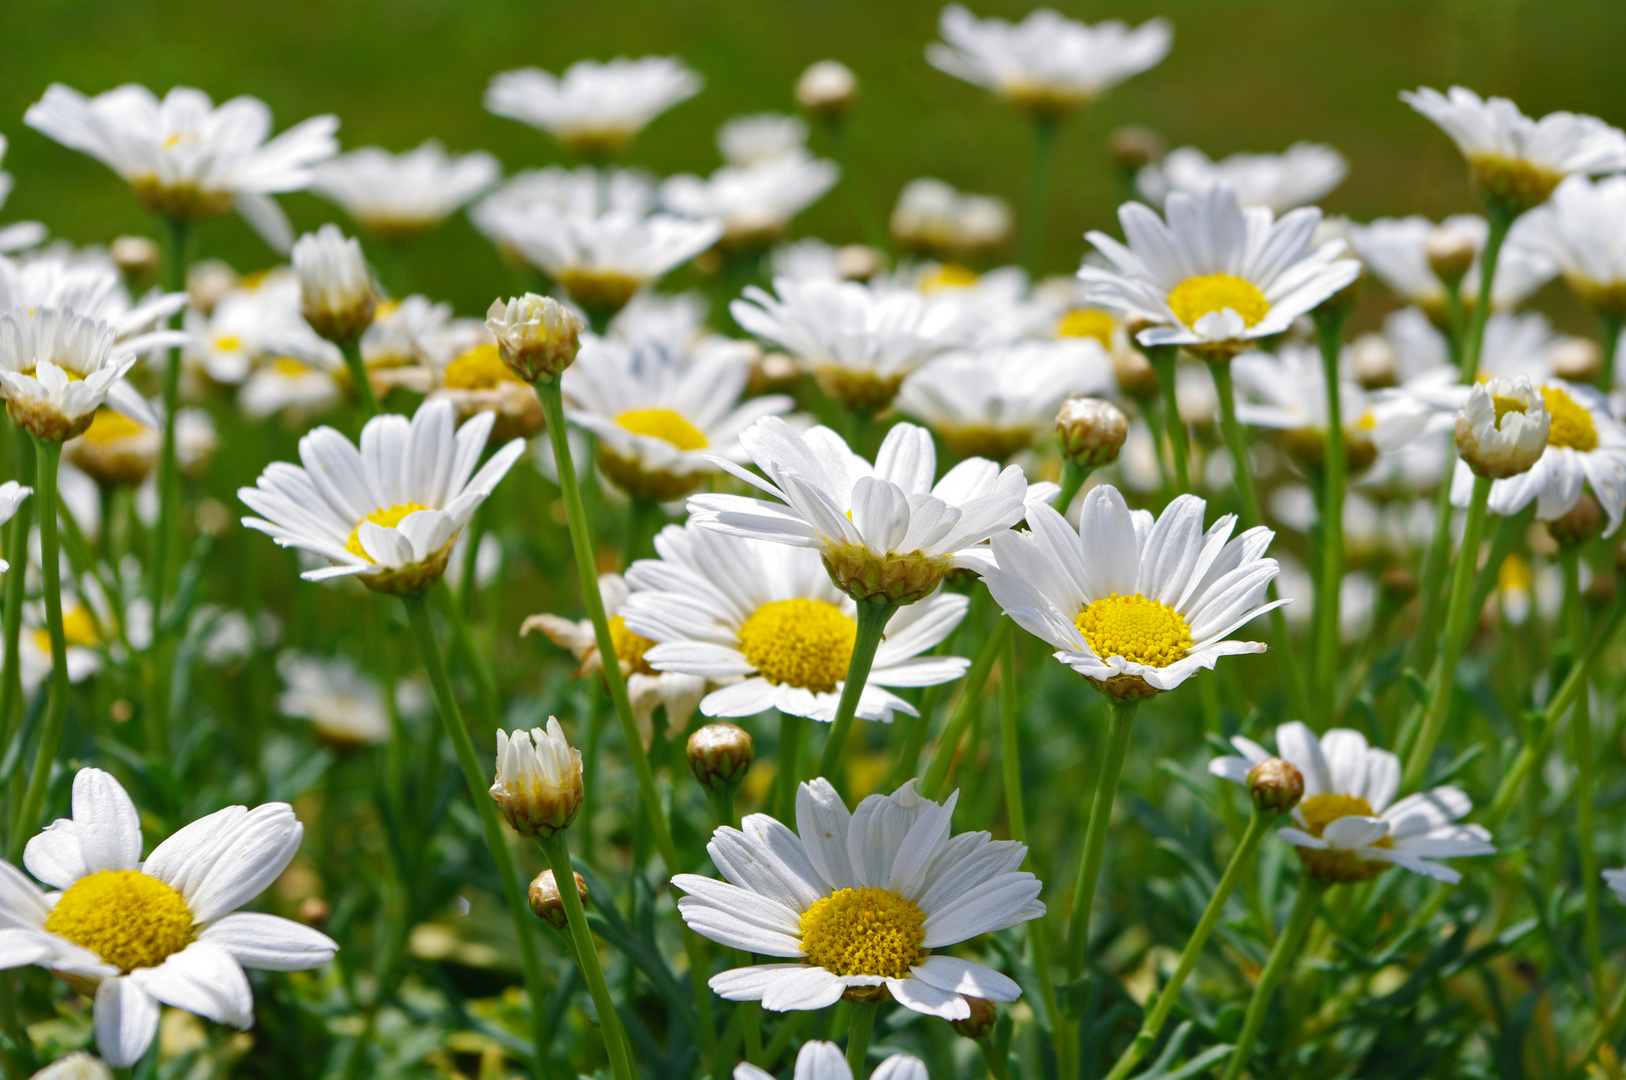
column 834, row 485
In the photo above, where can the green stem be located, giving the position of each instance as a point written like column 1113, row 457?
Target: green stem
column 1329, row 333
column 792, row 731
column 1282, row 955
column 1095, row 837
column 998, row 1067
column 1458, row 621
column 975, row 680
column 166, row 550
column 863, row 1021
column 1072, row 478
column 1609, row 1028
column 1164, row 358
column 1044, row 157
column 1258, row 825
column 872, row 617
column 858, row 201
column 16, row 578
column 451, row 720
column 1423, row 645
column 722, row 808
column 1609, row 325
column 1454, row 329
column 358, row 375
column 557, row 852
column 47, row 456
column 1010, row 750
column 1500, row 222
column 1585, row 781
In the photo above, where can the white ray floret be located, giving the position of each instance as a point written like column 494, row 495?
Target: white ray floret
column 593, row 108
column 57, row 368
column 402, row 195
column 19, row 234
column 1395, row 250
column 755, row 202
column 825, row 1061
column 1298, row 176
column 759, row 137
column 1582, row 229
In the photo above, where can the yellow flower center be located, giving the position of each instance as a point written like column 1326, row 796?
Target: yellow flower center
column 73, row 376
column 805, row 643
column 666, row 425
column 228, row 343
column 1571, row 424
column 289, row 368
column 629, row 647
column 78, row 628
column 1505, row 405
column 1322, row 810
column 946, row 276
column 111, row 427
column 388, row 518
column 1513, row 575
column 1139, row 630
column 481, row 368
column 1087, row 322
column 864, row 932
column 125, row 917
column 385, row 308
column 1195, row 297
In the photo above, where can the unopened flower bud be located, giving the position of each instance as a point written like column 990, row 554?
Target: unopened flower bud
column 857, row 262
column 1397, row 584
column 980, row 1024
column 1134, row 147
column 1576, row 359
column 1276, row 785
column 1579, row 523
column 539, row 780
column 1450, row 253
column 1502, row 429
column 1376, row 363
column 537, row 336
column 1135, row 374
column 1620, row 559
column 547, row 904
column 137, row 257
column 719, row 756
column 1091, row 431
column 314, row 911
column 207, row 282
column 78, row 1065
column 336, row 291
column 827, row 89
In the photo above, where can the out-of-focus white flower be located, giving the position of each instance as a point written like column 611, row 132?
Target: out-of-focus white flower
column 594, row 109
column 296, row 390
column 466, row 367
column 754, row 202
column 1582, row 229
column 344, row 705
column 395, row 346
column 1279, row 182
column 582, row 190
column 57, row 368
column 183, row 157
column 932, row 216
column 1395, row 250
column 759, row 137
column 116, row 450
column 827, row 88
column 86, row 282
column 251, row 324
column 401, row 196
column 811, row 258
column 19, row 234
column 12, row 495
column 82, row 1066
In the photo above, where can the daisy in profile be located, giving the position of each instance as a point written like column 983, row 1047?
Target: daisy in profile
column 754, row 203
column 1515, row 161
column 932, row 217
column 1348, row 826
column 859, row 903
column 396, row 344
column 1396, row 251
column 19, row 234
column 402, row 196
column 858, row 341
column 1046, row 64
column 995, row 403
column 388, row 512
column 661, row 417
column 1215, row 276
column 344, row 706
column 594, row 109
column 1135, row 605
column 1582, row 229
column 765, row 623
column 1299, row 176
column 465, row 367
column 751, row 140
column 186, row 159
column 582, row 190
column 88, row 282
column 57, row 368
column 649, row 688
column 1287, row 391
column 885, row 530
column 826, row 1061
column 137, row 934
column 292, row 389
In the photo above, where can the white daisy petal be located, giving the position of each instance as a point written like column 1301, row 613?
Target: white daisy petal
column 126, row 1019
column 202, row 978
column 268, row 942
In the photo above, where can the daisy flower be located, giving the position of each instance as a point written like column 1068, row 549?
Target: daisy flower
column 752, row 140
column 343, row 704
column 116, row 450
column 295, row 390
column 753, row 203
column 858, row 341
column 994, row 403
column 1287, row 391
column 826, row 89
column 648, row 688
column 137, row 934
column 1582, row 229
column 884, row 529
column 389, row 511
column 765, row 623
column 12, row 495
column 1045, row 63
column 19, row 234
column 395, row 346
column 1348, row 826
column 826, row 1061
column 186, row 159
column 86, row 281
column 1515, row 161
column 403, row 196
column 1135, row 605
column 1279, row 182
column 660, row 417
column 582, row 190
column 466, row 368
column 859, row 902
column 257, row 321
column 594, row 109
column 932, row 216
column 812, row 259
column 1395, row 250
column 1215, row 276
column 57, row 368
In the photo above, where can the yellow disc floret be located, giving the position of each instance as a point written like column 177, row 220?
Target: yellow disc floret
column 1195, row 297
column 388, row 517
column 864, row 932
column 630, row 647
column 1322, row 810
column 1334, row 864
column 1087, row 322
column 1571, row 424
column 946, row 276
column 111, row 427
column 805, row 643
column 1505, row 405
column 289, row 368
column 73, row 376
column 666, row 425
column 481, row 368
column 125, row 917
column 1139, row 630
column 1514, row 574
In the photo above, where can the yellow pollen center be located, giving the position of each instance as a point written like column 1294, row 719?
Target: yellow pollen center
column 481, row 368
column 805, row 643
column 388, row 518
column 947, row 276
column 73, row 376
column 1322, row 810
column 385, row 308
column 1367, row 422
column 864, row 932
column 110, row 427
column 1505, row 405
column 78, row 628
column 125, row 917
column 288, row 367
column 1571, row 424
column 666, row 425
column 1086, row 322
column 1139, row 630
column 630, row 647
column 1195, row 297
column 1514, row 575
column 228, row 343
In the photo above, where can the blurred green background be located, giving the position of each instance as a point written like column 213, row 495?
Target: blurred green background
column 1243, row 75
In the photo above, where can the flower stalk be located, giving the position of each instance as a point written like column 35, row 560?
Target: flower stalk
column 1329, row 326
column 1163, row 359
column 1500, row 221
column 858, row 1032
column 1095, row 836
column 1282, row 955
column 872, row 617
column 557, row 852
column 1585, row 781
